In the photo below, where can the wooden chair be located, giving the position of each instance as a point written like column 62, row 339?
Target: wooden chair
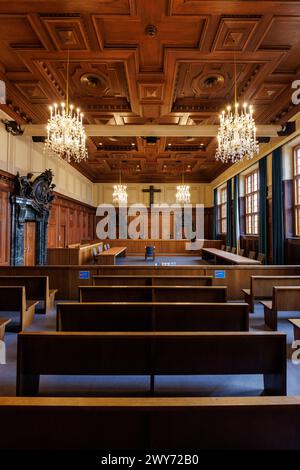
column 152, row 316
column 252, row 254
column 13, row 299
column 151, row 354
column 149, row 252
column 261, row 257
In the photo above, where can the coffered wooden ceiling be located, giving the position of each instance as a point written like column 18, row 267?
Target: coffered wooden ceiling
column 179, row 71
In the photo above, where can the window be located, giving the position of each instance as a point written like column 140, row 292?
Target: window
column 297, row 189
column 222, row 214
column 251, row 202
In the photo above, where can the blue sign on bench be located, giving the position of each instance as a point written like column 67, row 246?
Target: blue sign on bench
column 220, row 274
column 84, row 275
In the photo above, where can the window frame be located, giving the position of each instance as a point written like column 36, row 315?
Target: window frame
column 252, row 201
column 222, row 212
column 296, row 190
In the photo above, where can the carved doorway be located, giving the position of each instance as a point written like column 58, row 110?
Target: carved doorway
column 30, row 243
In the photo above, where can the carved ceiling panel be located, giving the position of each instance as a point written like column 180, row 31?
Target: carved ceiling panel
column 135, row 62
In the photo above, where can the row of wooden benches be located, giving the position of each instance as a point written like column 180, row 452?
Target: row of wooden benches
column 285, row 298
column 151, row 354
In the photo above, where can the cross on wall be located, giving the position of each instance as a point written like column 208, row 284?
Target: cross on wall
column 151, row 192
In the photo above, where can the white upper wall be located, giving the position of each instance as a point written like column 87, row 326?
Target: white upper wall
column 23, row 155
column 200, row 193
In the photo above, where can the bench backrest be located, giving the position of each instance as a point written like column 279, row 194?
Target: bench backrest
column 152, row 294
column 150, row 423
column 262, row 286
column 183, row 353
column 37, row 287
column 152, row 317
column 286, row 298
column 152, row 280
column 12, row 298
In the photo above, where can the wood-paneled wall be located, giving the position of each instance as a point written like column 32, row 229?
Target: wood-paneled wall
column 70, row 222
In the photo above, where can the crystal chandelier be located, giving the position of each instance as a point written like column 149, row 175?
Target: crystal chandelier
column 120, row 194
column 66, row 135
column 120, row 191
column 183, row 195
column 237, row 135
column 237, row 132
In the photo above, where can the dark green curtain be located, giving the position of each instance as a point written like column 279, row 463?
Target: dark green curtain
column 228, row 215
column 262, row 242
column 277, row 208
column 215, row 214
column 236, row 212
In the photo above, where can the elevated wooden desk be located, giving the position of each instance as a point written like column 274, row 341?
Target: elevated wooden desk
column 109, row 256
column 228, row 257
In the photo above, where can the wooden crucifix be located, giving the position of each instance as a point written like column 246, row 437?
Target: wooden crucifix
column 151, row 192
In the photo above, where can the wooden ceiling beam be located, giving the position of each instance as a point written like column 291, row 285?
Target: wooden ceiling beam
column 150, row 130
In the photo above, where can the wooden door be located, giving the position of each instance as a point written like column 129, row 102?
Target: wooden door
column 29, row 243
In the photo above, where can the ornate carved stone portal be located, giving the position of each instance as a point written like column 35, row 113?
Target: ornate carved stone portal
column 31, row 202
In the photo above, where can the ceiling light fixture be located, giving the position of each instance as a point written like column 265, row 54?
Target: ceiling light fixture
column 66, row 135
column 237, row 132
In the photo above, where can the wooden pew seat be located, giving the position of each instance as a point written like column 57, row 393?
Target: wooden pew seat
column 37, row 289
column 152, row 316
column 283, row 299
column 13, row 299
column 152, row 294
column 151, row 354
column 3, row 323
column 296, row 324
column 261, row 287
column 132, row 424
column 143, row 280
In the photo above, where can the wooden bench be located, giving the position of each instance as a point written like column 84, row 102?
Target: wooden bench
column 3, row 323
column 13, row 299
column 227, row 257
column 296, row 324
column 150, row 354
column 152, row 294
column 133, row 424
column 261, row 287
column 152, row 317
column 109, row 256
column 283, row 299
column 37, row 288
column 137, row 280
